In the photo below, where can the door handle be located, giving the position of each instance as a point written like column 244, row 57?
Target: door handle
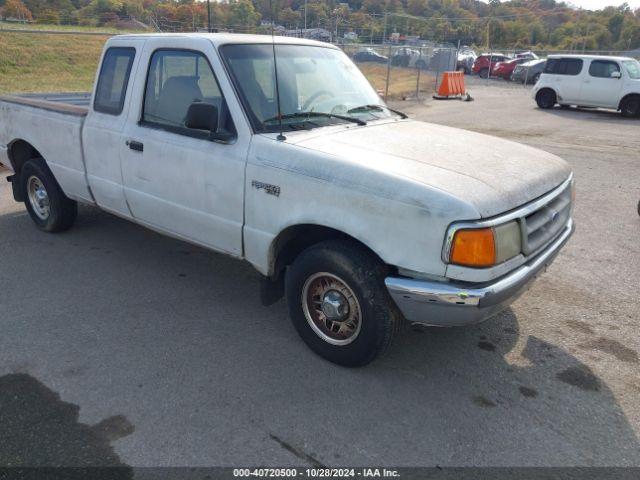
column 133, row 145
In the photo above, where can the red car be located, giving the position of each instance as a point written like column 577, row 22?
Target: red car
column 505, row 69
column 481, row 65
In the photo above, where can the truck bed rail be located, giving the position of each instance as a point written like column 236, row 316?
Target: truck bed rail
column 67, row 103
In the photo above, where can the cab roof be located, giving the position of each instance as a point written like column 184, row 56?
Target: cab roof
column 230, row 38
column 591, row 57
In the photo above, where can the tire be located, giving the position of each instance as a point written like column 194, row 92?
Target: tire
column 484, row 73
column 48, row 206
column 546, row 99
column 630, row 107
column 342, row 271
column 535, row 79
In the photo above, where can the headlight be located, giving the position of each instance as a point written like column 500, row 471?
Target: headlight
column 485, row 247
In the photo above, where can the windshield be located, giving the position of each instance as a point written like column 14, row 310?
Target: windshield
column 633, row 68
column 317, row 85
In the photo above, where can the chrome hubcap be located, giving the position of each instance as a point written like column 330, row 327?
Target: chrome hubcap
column 331, row 308
column 335, row 306
column 38, row 198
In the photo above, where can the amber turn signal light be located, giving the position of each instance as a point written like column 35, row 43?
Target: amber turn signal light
column 474, row 248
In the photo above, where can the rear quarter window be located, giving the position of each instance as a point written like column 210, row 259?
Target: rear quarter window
column 564, row 66
column 113, row 80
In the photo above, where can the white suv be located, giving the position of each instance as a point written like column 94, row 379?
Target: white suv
column 590, row 81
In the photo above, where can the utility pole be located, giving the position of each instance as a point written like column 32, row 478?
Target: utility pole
column 209, row 16
column 305, row 16
column 584, row 43
column 384, row 33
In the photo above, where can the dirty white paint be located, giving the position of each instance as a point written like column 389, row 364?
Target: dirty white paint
column 395, row 185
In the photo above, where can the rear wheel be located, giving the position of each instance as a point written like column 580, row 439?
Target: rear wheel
column 546, row 98
column 630, row 107
column 48, row 206
column 339, row 304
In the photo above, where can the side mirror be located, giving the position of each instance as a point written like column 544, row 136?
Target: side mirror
column 616, row 74
column 202, row 116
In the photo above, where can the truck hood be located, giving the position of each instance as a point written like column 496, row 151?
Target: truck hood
column 491, row 174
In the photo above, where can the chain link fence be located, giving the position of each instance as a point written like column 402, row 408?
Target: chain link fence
column 400, row 71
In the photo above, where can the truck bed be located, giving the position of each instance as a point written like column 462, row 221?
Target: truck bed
column 69, row 103
column 52, row 124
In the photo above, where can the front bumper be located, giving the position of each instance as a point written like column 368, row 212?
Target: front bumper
column 453, row 304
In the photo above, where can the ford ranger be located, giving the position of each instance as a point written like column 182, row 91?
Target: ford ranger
column 279, row 152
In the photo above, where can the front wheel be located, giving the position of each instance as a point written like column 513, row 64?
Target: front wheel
column 631, row 107
column 484, row 73
column 339, row 304
column 50, row 209
column 546, row 99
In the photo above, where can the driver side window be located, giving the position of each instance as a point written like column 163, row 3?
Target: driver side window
column 176, row 79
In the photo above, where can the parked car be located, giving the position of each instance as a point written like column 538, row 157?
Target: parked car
column 357, row 215
column 590, row 81
column 528, row 55
column 485, row 63
column 409, row 57
column 369, row 55
column 505, row 69
column 529, row 72
column 466, row 59
column 443, row 59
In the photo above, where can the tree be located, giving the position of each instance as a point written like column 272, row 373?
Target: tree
column 242, row 14
column 16, row 9
column 289, row 18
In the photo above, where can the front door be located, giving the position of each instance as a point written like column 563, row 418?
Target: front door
column 603, row 84
column 176, row 179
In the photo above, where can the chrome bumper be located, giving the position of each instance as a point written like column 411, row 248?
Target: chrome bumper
column 453, row 304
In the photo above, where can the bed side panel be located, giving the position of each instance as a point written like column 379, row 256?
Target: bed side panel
column 56, row 135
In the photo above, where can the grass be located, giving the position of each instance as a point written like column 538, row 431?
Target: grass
column 8, row 26
column 34, row 62
column 40, row 62
column 402, row 81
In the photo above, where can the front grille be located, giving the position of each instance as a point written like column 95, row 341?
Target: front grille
column 542, row 226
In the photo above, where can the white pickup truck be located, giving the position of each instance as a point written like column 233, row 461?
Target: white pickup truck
column 359, row 216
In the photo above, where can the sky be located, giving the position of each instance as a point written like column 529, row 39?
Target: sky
column 599, row 4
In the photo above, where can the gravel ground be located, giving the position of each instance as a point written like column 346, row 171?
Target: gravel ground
column 122, row 347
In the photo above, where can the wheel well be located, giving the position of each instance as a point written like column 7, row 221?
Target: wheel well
column 295, row 239
column 19, row 152
column 545, row 89
column 626, row 97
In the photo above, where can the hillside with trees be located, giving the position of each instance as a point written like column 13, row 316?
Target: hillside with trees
column 540, row 24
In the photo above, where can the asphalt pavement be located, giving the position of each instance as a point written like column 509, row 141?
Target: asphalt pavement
column 122, row 347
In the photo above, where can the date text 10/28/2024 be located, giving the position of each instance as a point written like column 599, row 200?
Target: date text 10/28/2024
column 315, row 473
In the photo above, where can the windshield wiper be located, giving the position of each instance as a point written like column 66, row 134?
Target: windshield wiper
column 307, row 115
column 364, row 108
